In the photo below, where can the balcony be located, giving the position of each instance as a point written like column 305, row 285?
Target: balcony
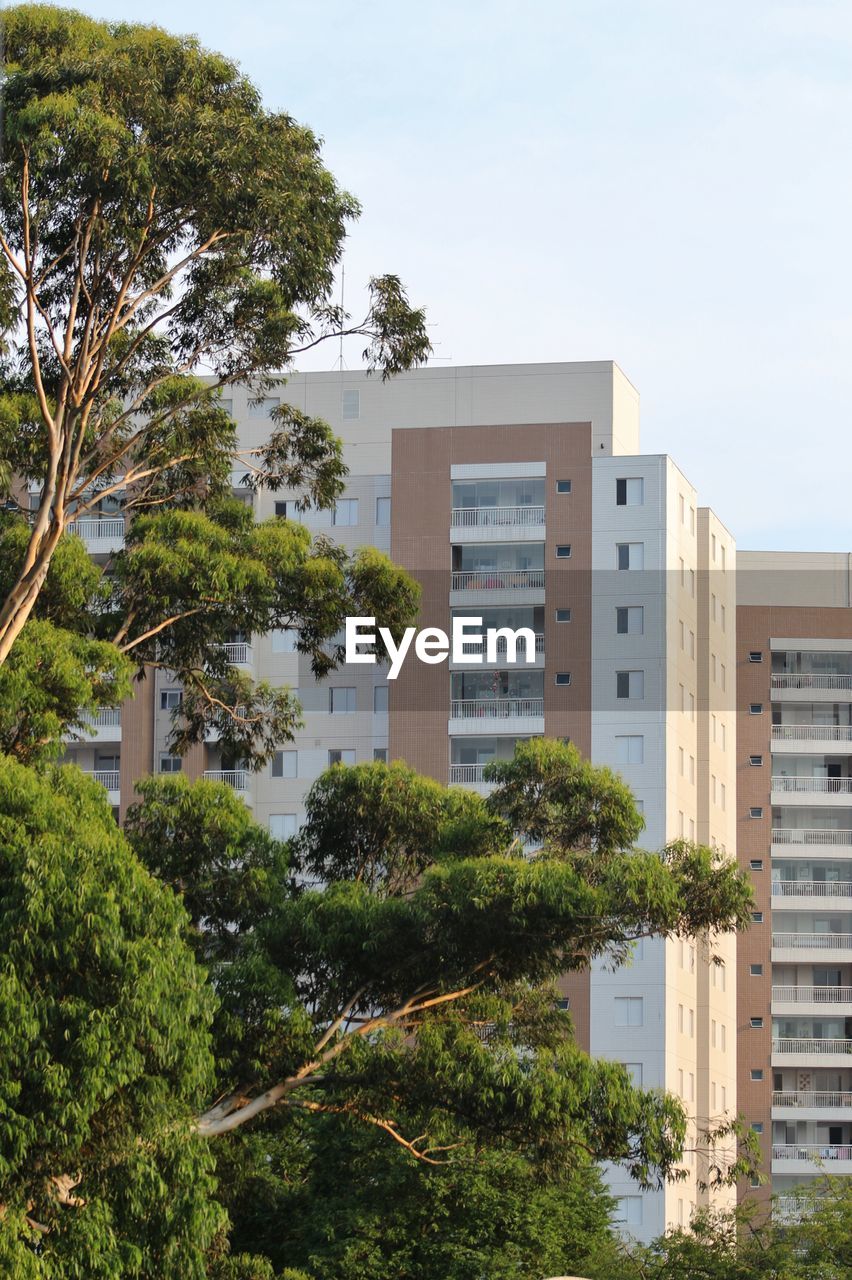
column 467, row 775
column 813, row 941
column 785, row 787
column 789, row 1209
column 105, row 725
column 239, row 653
column 806, row 1046
column 811, row 889
column 472, row 524
column 102, row 537
column 497, row 580
column 476, row 652
column 503, row 715
column 811, row 995
column 109, row 780
column 810, row 836
column 805, row 682
column 237, row 779
column 807, row 1153
column 813, row 1100
column 799, row 733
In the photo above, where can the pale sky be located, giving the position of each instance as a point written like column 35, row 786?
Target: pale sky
column 665, row 183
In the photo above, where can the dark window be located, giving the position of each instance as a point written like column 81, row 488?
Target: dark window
column 563, row 615
column 756, row 811
column 563, row 552
column 757, row 1127
column 755, row 708
column 757, row 1074
column 563, row 486
column 757, row 917
column 755, row 656
column 563, row 677
column 755, row 761
column 756, row 864
column 756, row 1023
column 380, row 755
column 756, row 970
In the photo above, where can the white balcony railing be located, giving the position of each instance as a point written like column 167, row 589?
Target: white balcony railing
column 472, row 649
column 811, row 995
column 466, row 773
column 831, row 786
column 497, row 579
column 105, row 718
column 108, row 778
column 790, row 1208
column 794, row 1098
column 799, row 1045
column 812, row 888
column 496, row 517
column 812, row 732
column 93, row 530
column 811, row 1151
column 811, row 835
column 805, row 681
column 240, row 653
column 495, row 708
column 236, row 778
column 811, row 941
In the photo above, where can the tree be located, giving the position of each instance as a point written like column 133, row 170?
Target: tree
column 104, row 1048
column 412, row 1014
column 749, row 1244
column 157, row 221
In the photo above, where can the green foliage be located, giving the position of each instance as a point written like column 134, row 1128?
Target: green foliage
column 52, row 678
column 104, row 1049
column 558, row 800
column 749, row 1244
column 156, row 220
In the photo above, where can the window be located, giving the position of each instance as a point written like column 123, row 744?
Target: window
column 284, row 641
column 755, row 970
column 630, row 1211
column 755, row 656
column 756, row 811
column 630, row 620
column 680, row 1017
column 282, row 825
column 380, row 755
column 630, row 684
column 350, row 406
column 563, row 486
column 285, row 764
column 630, row 748
column 263, row 408
column 563, row 677
column 630, row 492
column 383, row 512
column 723, row 676
column 630, row 555
column 723, row 1036
column 682, row 509
column 755, row 708
column 757, row 917
column 757, row 1127
column 756, row 864
column 342, row 701
column 345, row 512
column 338, row 756
column 563, row 615
column 287, row 510
column 722, row 549
column 755, row 761
column 634, row 1070
column 563, row 552
column 756, row 1073
column 170, row 699
column 170, row 764
column 629, row 1011
column 756, row 1023
column 380, row 699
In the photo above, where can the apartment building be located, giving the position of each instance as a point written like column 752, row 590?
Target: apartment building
column 794, row 820
column 518, row 494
